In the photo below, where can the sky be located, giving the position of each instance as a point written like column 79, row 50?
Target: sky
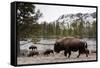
column 52, row 12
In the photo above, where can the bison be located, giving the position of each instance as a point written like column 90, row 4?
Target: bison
column 69, row 44
column 32, row 53
column 86, row 52
column 48, row 51
column 32, row 47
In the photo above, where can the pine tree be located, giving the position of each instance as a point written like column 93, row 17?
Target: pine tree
column 26, row 18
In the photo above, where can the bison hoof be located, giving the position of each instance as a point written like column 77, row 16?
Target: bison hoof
column 77, row 56
column 86, row 55
column 68, row 56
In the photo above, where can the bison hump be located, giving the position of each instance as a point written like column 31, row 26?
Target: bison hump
column 72, row 42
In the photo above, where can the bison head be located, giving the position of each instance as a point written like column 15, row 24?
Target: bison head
column 58, row 47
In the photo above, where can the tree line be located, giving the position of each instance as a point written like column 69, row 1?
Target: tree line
column 59, row 29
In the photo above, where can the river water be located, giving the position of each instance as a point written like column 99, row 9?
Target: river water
column 44, row 44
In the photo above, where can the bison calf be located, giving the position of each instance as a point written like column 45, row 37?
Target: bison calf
column 33, row 47
column 32, row 53
column 85, row 52
column 48, row 51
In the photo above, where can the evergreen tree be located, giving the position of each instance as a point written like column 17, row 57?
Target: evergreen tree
column 26, row 18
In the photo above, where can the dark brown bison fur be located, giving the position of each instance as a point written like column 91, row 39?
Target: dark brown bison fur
column 48, row 51
column 85, row 52
column 69, row 44
column 32, row 47
column 32, row 53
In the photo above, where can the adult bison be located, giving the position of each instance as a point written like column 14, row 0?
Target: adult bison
column 69, row 44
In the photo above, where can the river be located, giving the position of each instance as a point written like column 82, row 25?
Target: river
column 44, row 44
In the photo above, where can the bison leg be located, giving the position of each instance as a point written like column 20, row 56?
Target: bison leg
column 53, row 53
column 69, row 54
column 86, row 55
column 65, row 53
column 32, row 49
column 37, row 54
column 78, row 54
column 87, row 52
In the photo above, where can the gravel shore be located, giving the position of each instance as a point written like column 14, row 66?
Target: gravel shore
column 54, row 58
